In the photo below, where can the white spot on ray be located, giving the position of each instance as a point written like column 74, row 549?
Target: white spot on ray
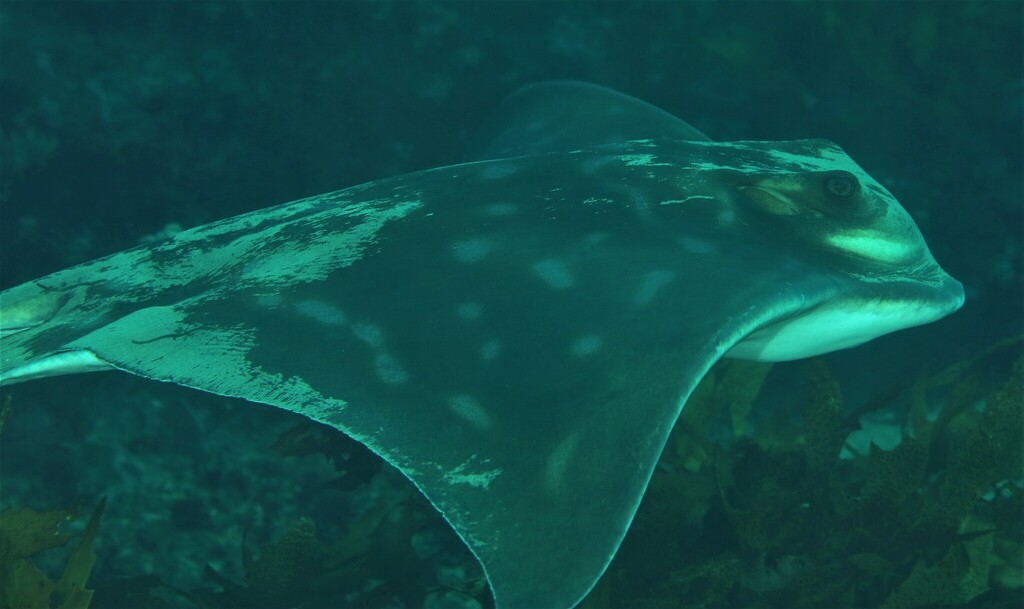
column 494, row 171
column 500, row 209
column 652, row 283
column 490, row 350
column 555, row 273
column 323, row 312
column 471, row 250
column 469, row 311
column 389, row 369
column 585, row 345
column 727, row 217
column 269, row 301
column 596, row 165
column 558, row 461
column 369, row 333
column 697, row 246
column 469, row 409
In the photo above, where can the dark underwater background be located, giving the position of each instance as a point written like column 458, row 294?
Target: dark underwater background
column 125, row 122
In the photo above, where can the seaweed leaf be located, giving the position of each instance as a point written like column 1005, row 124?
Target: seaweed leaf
column 26, row 532
column 894, row 474
column 990, row 452
column 25, row 586
column 822, row 413
column 934, row 521
column 70, row 592
column 950, row 581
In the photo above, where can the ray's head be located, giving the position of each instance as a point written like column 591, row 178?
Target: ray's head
column 809, row 197
column 829, row 201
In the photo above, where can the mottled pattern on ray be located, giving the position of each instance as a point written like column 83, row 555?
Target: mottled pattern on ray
column 517, row 335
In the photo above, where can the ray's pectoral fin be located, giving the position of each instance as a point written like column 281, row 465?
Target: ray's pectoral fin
column 562, row 496
column 539, row 472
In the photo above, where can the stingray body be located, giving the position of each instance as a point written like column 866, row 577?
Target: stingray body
column 516, row 334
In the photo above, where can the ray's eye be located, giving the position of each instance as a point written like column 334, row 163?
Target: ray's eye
column 842, row 185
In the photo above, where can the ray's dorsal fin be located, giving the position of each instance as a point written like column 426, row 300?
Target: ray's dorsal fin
column 560, row 116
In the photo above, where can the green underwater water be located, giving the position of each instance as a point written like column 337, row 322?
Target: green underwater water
column 123, row 121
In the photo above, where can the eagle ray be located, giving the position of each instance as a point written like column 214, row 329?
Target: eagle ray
column 517, row 334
